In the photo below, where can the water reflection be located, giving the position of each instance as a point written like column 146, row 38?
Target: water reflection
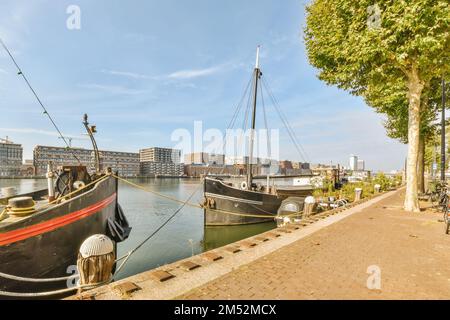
column 215, row 237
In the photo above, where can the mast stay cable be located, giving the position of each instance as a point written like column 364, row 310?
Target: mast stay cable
column 269, row 147
column 285, row 121
column 20, row 72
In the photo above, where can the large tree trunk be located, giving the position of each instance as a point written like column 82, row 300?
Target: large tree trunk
column 415, row 87
column 421, row 165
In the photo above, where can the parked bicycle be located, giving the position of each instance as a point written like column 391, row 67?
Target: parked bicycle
column 443, row 203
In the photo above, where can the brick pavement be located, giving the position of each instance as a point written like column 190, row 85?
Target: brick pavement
column 411, row 250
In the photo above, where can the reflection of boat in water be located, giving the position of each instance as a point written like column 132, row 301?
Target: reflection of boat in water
column 222, row 235
column 42, row 231
column 249, row 202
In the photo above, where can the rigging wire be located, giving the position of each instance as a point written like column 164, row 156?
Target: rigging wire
column 285, row 121
column 20, row 72
column 247, row 109
column 269, row 148
column 239, row 106
column 234, row 118
column 159, row 228
column 241, row 142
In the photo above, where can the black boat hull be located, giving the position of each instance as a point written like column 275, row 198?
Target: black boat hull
column 46, row 245
column 233, row 206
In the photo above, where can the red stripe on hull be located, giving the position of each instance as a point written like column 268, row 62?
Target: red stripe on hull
column 50, row 225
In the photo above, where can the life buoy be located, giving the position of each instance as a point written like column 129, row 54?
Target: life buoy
column 244, row 185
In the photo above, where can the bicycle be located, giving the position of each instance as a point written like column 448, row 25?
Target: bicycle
column 446, row 219
column 444, row 204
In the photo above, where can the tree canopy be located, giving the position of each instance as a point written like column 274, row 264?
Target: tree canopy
column 388, row 52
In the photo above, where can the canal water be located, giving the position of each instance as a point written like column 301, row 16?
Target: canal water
column 182, row 237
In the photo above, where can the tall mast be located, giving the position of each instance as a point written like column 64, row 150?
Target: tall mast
column 252, row 131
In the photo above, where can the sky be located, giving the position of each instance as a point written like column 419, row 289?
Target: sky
column 143, row 68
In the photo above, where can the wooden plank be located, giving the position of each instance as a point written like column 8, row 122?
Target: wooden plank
column 232, row 249
column 162, row 275
column 211, row 256
column 126, row 288
column 189, row 265
column 273, row 235
column 247, row 243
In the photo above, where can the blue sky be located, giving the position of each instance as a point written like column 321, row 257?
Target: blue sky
column 142, row 69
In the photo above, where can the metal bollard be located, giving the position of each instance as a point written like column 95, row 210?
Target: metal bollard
column 377, row 188
column 309, row 206
column 358, row 194
column 50, row 185
column 96, row 260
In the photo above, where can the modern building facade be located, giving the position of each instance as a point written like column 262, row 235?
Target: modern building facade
column 204, row 158
column 353, row 162
column 196, row 158
column 156, row 161
column 125, row 163
column 216, row 159
column 300, row 165
column 11, row 155
column 157, row 154
column 361, row 165
column 152, row 168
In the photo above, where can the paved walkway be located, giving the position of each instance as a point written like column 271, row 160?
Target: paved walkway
column 411, row 251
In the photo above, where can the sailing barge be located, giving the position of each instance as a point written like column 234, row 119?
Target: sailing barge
column 226, row 204
column 41, row 232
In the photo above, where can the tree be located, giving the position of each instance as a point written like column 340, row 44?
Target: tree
column 389, row 98
column 358, row 44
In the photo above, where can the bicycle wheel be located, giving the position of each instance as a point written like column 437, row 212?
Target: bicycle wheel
column 446, row 220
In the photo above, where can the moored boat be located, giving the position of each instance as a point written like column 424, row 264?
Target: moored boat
column 226, row 203
column 41, row 232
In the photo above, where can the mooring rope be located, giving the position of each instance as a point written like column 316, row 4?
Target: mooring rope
column 126, row 256
column 25, row 279
column 154, row 192
column 50, row 293
column 271, row 215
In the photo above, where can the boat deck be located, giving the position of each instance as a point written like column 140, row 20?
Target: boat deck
column 39, row 205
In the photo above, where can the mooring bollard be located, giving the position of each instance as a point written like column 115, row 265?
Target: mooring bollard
column 358, row 194
column 377, row 188
column 309, row 206
column 96, row 259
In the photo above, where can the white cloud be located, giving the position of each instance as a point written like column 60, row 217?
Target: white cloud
column 112, row 89
column 194, row 73
column 176, row 75
column 3, row 71
column 127, row 74
column 37, row 131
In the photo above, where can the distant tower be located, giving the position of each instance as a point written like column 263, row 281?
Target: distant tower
column 361, row 166
column 353, row 162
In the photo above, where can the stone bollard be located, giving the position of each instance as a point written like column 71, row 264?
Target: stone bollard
column 377, row 188
column 96, row 260
column 358, row 194
column 309, row 206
